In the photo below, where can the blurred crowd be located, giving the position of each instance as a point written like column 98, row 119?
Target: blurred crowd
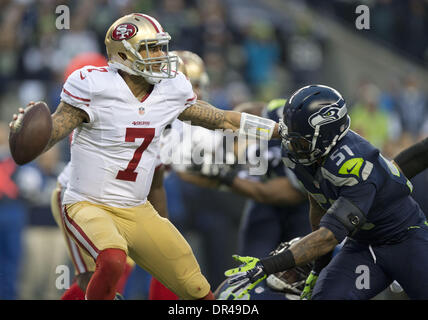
column 400, row 25
column 251, row 54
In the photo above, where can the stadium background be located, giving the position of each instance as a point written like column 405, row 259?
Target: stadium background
column 254, row 50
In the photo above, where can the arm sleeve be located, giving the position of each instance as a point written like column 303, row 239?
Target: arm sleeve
column 414, row 159
column 77, row 92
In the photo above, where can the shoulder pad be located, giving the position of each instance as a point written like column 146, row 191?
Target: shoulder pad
column 346, row 166
column 357, row 167
column 181, row 90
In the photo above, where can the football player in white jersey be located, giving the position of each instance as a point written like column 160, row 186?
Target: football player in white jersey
column 118, row 114
column 84, row 265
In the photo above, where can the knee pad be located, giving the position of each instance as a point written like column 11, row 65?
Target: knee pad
column 111, row 261
column 195, row 287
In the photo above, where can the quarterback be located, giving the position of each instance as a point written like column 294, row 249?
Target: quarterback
column 355, row 193
column 118, row 114
column 84, row 265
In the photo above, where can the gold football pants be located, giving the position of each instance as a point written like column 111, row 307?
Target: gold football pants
column 150, row 240
column 81, row 260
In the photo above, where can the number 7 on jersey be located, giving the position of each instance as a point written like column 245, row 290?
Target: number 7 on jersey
column 129, row 174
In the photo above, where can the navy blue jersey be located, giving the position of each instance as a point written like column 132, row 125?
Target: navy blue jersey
column 355, row 170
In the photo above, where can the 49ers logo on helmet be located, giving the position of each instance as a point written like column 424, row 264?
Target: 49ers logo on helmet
column 124, row 31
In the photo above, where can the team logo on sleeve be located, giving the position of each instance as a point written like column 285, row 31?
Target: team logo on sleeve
column 124, row 31
column 326, row 115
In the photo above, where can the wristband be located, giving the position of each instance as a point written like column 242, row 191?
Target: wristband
column 280, row 262
column 256, row 127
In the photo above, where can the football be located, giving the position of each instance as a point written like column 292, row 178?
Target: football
column 31, row 133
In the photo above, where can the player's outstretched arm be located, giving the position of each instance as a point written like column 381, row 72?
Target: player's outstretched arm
column 205, row 115
column 254, row 270
column 64, row 120
column 414, row 159
column 314, row 245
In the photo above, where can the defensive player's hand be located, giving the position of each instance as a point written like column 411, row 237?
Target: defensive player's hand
column 225, row 173
column 309, row 286
column 230, row 294
column 17, row 118
column 245, row 277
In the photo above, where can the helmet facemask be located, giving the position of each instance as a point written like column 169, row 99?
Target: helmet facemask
column 299, row 149
column 306, row 150
column 153, row 69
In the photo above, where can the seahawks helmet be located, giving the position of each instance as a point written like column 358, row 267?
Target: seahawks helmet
column 291, row 281
column 314, row 119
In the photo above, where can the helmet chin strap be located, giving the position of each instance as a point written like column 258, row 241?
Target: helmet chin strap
column 122, row 67
column 128, row 70
column 135, row 70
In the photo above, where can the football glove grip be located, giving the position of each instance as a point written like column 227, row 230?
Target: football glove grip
column 247, row 276
column 309, row 286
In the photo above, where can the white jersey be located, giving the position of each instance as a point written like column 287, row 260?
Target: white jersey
column 64, row 176
column 113, row 157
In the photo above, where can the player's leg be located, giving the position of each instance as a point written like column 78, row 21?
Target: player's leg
column 158, row 291
column 411, row 272
column 355, row 273
column 84, row 265
column 158, row 247
column 130, row 264
column 95, row 231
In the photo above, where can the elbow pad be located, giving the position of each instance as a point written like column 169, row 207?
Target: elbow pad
column 343, row 218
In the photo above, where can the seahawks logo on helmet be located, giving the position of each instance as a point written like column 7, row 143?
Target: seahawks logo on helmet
column 326, row 115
